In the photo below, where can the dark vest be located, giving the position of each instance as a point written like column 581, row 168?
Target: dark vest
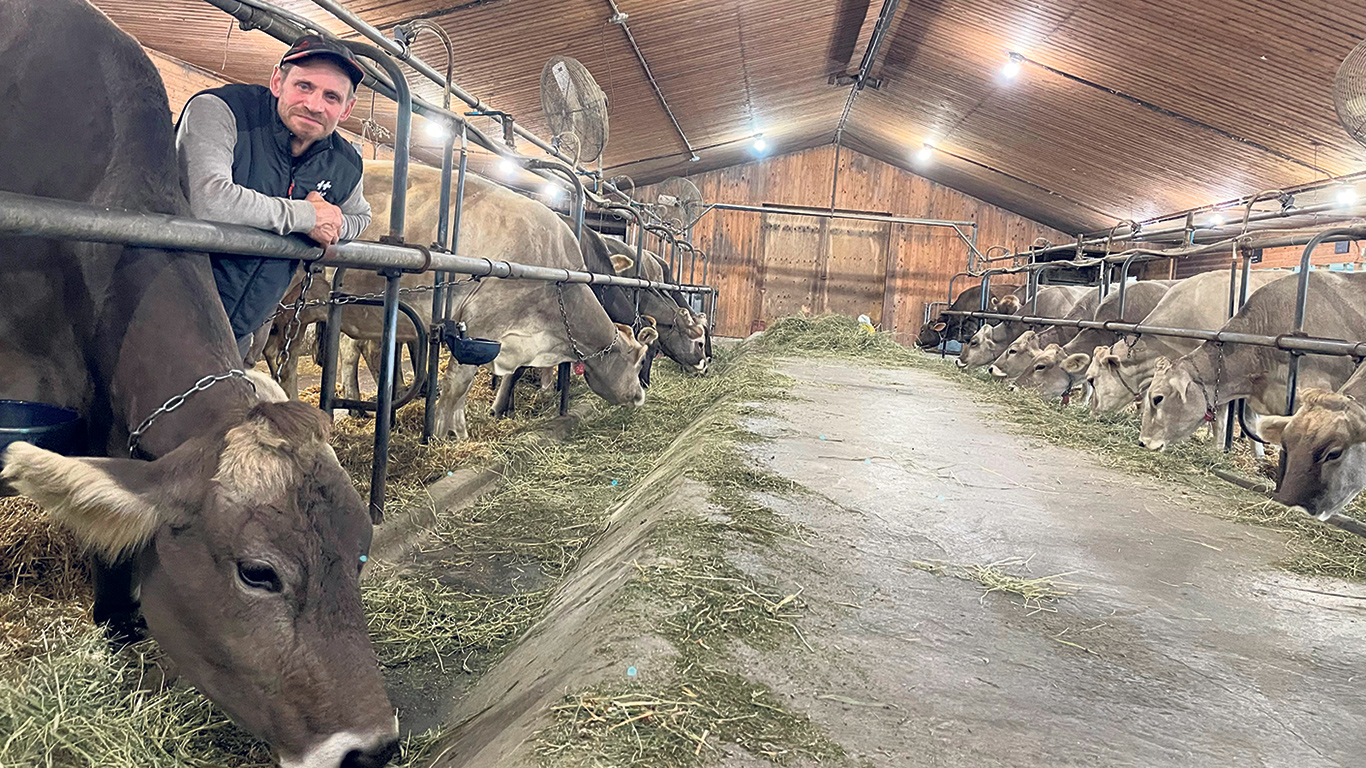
column 252, row 287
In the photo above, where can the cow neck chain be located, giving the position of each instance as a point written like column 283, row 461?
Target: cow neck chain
column 573, row 343
column 1128, row 350
column 176, row 401
column 1218, row 379
column 294, row 324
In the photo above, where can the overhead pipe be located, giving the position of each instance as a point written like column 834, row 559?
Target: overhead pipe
column 619, row 19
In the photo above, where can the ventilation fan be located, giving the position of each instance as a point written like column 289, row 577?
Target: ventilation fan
column 575, row 107
column 678, row 202
column 1349, row 93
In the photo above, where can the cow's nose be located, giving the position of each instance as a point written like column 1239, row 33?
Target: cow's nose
column 376, row 755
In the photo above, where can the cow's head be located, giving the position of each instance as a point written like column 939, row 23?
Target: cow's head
column 684, row 339
column 1052, row 372
column 249, row 543
column 1174, row 406
column 931, row 334
column 1015, row 359
column 984, row 346
column 615, row 376
column 1325, row 452
column 1119, row 374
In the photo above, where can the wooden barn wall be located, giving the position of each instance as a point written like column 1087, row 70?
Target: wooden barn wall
column 766, row 265
column 1279, row 258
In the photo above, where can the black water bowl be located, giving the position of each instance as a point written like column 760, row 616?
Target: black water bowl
column 46, row 426
column 468, row 351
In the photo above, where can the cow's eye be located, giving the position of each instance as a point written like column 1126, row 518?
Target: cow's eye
column 1333, row 455
column 1157, row 400
column 255, row 574
column 1040, row 367
column 1010, row 351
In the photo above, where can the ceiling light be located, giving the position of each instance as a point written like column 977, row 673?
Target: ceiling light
column 1012, row 66
column 926, row 153
column 694, row 158
column 551, row 190
column 507, row 167
column 759, row 144
column 1347, row 197
column 1216, row 219
column 436, row 129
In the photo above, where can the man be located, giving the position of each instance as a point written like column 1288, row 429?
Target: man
column 270, row 158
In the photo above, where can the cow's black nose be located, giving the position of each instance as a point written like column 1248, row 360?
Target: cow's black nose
column 376, row 755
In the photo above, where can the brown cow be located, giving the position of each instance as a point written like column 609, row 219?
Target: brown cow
column 244, row 532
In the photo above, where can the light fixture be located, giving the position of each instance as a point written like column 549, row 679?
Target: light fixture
column 926, row 153
column 1216, row 219
column 436, row 129
column 507, row 167
column 551, row 190
column 694, row 158
column 1347, row 197
column 1012, row 66
column 759, row 144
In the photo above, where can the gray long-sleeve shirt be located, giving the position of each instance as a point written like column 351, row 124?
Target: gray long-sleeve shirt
column 205, row 143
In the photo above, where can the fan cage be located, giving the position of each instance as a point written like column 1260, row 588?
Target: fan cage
column 574, row 104
column 1349, row 93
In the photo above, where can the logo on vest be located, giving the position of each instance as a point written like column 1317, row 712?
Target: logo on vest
column 323, row 186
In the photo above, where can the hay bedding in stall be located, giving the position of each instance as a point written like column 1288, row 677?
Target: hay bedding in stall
column 64, row 700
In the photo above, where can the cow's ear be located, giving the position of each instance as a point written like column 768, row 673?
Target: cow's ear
column 1272, row 427
column 1009, row 305
column 267, row 389
column 939, row 327
column 94, row 498
column 622, row 263
column 1028, row 337
column 1076, row 363
column 647, row 335
column 650, row 321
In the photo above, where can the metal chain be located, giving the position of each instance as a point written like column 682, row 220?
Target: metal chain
column 179, row 400
column 350, row 298
column 295, row 323
column 573, row 343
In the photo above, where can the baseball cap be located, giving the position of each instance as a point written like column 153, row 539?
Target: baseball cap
column 316, row 45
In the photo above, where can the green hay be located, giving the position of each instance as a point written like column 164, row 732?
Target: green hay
column 693, row 721
column 69, row 702
column 1037, row 593
column 830, row 336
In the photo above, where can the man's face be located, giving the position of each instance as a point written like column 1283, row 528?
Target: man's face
column 314, row 95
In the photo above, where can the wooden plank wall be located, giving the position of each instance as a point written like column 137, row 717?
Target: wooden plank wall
column 886, row 272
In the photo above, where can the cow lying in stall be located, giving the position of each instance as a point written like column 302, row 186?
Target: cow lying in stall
column 243, row 534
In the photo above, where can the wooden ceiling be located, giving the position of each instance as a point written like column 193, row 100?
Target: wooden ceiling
column 1124, row 108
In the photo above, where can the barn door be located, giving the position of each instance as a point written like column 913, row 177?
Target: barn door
column 792, row 247
column 853, row 280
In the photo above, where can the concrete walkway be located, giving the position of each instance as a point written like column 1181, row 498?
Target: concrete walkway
column 1179, row 645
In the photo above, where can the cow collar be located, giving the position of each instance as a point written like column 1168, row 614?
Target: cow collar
column 1211, row 398
column 135, row 437
column 569, row 332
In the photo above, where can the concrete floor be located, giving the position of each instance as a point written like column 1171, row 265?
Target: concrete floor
column 1180, row 645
